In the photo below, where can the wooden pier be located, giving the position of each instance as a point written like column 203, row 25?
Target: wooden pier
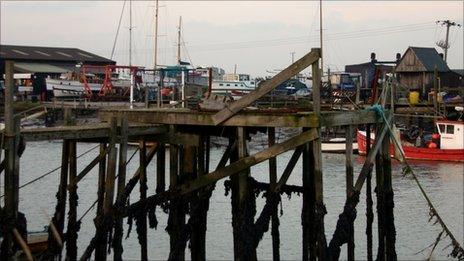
column 184, row 188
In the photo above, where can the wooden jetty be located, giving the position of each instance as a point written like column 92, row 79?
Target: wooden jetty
column 185, row 192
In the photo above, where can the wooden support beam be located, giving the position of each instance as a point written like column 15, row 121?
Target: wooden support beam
column 100, row 249
column 349, row 131
column 73, row 227
column 251, row 118
column 266, row 87
column 390, row 230
column 289, row 168
column 122, row 167
column 98, row 159
column 307, row 210
column 226, row 171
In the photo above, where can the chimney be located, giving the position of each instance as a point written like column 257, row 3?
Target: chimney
column 372, row 56
column 441, row 55
column 398, row 56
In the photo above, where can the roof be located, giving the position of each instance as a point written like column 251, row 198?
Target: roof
column 430, row 58
column 459, row 71
column 58, row 54
column 38, row 68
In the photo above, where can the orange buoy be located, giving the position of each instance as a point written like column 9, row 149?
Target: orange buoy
column 432, row 145
column 435, row 136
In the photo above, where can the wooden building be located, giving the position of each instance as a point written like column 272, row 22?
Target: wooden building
column 416, row 70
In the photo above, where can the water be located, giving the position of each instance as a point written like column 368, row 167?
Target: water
column 442, row 181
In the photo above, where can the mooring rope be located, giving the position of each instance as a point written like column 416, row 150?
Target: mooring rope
column 458, row 251
column 51, row 171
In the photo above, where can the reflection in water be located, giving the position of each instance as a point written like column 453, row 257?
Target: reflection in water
column 442, row 181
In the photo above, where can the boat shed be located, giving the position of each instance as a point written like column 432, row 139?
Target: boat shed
column 42, row 62
column 47, row 60
column 416, row 70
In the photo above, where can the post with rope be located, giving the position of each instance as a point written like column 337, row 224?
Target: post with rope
column 319, row 207
column 369, row 203
column 349, row 185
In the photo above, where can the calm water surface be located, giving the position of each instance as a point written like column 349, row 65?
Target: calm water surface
column 442, row 181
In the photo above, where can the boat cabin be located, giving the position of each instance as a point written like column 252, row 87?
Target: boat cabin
column 451, row 134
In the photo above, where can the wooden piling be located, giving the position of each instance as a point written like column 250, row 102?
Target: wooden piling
column 73, row 226
column 122, row 167
column 101, row 249
column 379, row 175
column 369, row 203
column 349, row 184
column 319, row 207
column 142, row 219
column 273, row 182
column 161, row 168
column 390, row 230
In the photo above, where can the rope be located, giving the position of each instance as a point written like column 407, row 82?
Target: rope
column 53, row 170
column 458, row 251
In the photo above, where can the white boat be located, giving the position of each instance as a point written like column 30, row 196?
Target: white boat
column 235, row 89
column 337, row 145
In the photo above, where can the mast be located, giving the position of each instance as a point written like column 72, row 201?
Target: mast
column 155, row 58
column 130, row 57
column 178, row 40
column 320, row 33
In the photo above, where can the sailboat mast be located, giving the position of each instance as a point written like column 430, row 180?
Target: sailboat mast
column 130, row 57
column 178, row 40
column 155, row 58
column 320, row 33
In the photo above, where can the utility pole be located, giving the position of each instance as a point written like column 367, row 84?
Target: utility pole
column 445, row 46
column 320, row 33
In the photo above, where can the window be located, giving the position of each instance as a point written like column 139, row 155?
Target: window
column 227, row 84
column 221, row 84
column 235, row 84
column 442, row 128
column 449, row 129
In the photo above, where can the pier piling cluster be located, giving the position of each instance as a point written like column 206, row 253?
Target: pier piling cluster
column 184, row 189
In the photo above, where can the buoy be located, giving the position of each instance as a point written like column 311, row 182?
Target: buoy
column 432, row 145
column 435, row 136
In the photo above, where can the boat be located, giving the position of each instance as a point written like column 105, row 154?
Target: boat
column 446, row 145
column 337, row 145
column 233, row 85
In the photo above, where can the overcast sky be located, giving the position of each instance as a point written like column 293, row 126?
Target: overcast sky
column 258, row 36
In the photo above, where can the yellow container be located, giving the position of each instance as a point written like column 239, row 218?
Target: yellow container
column 413, row 97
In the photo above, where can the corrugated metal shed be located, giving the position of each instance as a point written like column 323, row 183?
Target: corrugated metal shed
column 38, row 68
column 47, row 54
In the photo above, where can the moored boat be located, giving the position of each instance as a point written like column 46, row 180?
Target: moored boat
column 446, row 145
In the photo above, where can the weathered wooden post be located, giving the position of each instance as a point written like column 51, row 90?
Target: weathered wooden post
column 109, row 188
column 349, row 184
column 101, row 249
column 390, row 230
column 369, row 203
column 142, row 219
column 73, row 226
column 118, row 228
column 273, row 182
column 320, row 209
column 161, row 168
column 11, row 178
column 176, row 219
column 243, row 207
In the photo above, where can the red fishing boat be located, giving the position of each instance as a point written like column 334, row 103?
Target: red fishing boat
column 446, row 145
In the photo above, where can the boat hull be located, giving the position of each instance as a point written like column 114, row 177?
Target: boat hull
column 456, row 155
